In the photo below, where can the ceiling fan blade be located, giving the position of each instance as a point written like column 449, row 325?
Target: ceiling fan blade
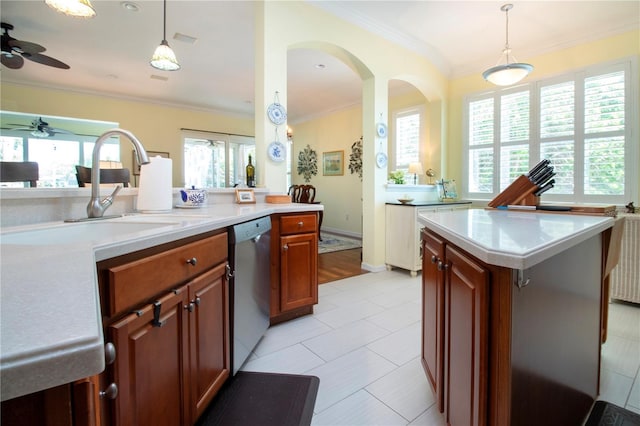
column 53, row 131
column 26, row 46
column 12, row 61
column 45, row 60
column 22, row 128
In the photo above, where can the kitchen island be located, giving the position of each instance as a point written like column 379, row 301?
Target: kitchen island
column 512, row 315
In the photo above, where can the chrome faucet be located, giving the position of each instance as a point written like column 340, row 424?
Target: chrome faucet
column 96, row 206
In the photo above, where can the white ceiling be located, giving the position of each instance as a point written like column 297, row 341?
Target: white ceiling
column 109, row 54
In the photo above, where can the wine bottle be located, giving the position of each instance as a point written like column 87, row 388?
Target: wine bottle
column 251, row 174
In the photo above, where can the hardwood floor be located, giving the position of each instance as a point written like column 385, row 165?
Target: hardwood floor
column 339, row 264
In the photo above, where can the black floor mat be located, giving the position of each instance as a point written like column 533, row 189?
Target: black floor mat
column 605, row 413
column 263, row 399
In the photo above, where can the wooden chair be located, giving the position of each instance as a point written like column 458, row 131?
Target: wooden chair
column 123, row 176
column 20, row 171
column 306, row 194
column 302, row 193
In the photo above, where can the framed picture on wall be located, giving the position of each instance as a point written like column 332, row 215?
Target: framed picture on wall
column 136, row 166
column 333, row 163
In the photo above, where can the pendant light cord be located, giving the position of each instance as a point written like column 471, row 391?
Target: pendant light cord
column 164, row 25
column 507, row 49
column 506, row 31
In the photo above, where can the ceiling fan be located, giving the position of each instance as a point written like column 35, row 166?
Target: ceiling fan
column 13, row 52
column 41, row 128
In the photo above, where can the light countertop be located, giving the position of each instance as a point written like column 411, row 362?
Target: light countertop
column 517, row 240
column 50, row 320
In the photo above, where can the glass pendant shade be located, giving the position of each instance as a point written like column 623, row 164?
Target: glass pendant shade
column 507, row 73
column 164, row 59
column 77, row 8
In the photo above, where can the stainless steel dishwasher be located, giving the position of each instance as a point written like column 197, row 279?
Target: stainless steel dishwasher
column 250, row 259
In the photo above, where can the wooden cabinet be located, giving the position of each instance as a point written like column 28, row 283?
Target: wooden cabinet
column 152, row 364
column 433, row 315
column 465, row 355
column 402, row 234
column 294, row 265
column 173, row 347
column 209, row 337
column 455, row 321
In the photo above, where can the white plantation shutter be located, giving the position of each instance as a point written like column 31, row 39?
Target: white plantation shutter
column 557, row 133
column 514, row 136
column 557, row 110
column 562, row 155
column 481, row 122
column 604, row 125
column 481, row 118
column 580, row 122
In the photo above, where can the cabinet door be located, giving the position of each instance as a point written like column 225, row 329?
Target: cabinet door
column 402, row 238
column 298, row 271
column 433, row 313
column 209, row 336
column 151, row 364
column 466, row 337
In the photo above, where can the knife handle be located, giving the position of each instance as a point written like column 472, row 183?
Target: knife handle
column 537, row 168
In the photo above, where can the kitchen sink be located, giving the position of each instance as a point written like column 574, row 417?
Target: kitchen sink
column 83, row 232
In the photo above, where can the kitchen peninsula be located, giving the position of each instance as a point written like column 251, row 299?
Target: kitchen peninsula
column 53, row 310
column 512, row 315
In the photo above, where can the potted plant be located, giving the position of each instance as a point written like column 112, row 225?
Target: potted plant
column 397, row 177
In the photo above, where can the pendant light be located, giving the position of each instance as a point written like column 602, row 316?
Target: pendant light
column 163, row 58
column 77, row 8
column 508, row 71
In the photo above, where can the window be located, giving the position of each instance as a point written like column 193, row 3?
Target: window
column 58, row 154
column 581, row 122
column 408, row 134
column 216, row 160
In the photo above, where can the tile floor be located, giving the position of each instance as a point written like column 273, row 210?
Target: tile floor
column 363, row 342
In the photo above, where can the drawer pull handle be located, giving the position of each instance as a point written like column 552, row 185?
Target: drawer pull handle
column 229, row 271
column 157, row 306
column 300, row 224
column 434, row 259
column 189, row 307
column 285, row 247
column 442, row 266
column 193, row 261
column 197, row 301
column 109, row 353
column 111, row 392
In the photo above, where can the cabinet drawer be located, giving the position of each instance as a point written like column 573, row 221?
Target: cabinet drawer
column 298, row 223
column 135, row 282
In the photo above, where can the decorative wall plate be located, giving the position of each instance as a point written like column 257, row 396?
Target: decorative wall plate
column 277, row 113
column 381, row 160
column 381, row 130
column 276, row 151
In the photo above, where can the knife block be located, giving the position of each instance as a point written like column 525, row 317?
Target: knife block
column 520, row 192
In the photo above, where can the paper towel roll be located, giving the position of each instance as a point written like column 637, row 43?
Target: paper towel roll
column 155, row 190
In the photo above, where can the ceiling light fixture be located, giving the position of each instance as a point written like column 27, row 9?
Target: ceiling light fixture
column 506, row 73
column 130, row 6
column 77, row 8
column 163, row 58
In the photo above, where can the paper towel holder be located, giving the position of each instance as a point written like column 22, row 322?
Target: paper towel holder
column 136, row 167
